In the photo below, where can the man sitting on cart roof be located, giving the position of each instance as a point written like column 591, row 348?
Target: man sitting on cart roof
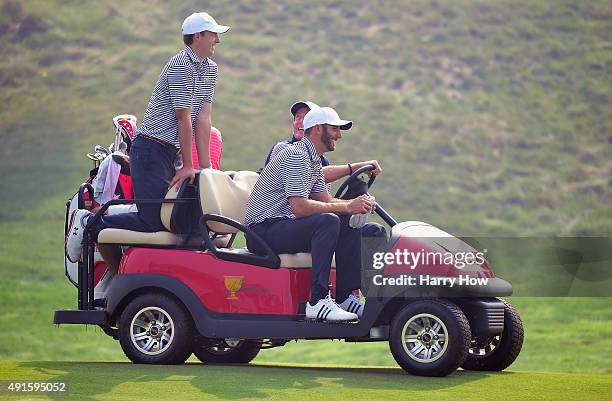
column 291, row 209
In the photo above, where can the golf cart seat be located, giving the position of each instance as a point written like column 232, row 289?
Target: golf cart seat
column 221, row 195
column 176, row 219
column 128, row 237
column 172, row 219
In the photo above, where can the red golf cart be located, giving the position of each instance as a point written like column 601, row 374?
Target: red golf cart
column 187, row 290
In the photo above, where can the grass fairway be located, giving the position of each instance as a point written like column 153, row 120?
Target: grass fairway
column 124, row 381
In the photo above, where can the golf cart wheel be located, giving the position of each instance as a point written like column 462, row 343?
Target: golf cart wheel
column 430, row 337
column 498, row 352
column 231, row 351
column 156, row 329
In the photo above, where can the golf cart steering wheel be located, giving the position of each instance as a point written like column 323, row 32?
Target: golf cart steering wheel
column 352, row 180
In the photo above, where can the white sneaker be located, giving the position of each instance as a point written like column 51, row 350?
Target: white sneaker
column 328, row 310
column 74, row 238
column 353, row 304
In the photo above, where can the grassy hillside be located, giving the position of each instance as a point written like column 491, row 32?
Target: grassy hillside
column 489, row 117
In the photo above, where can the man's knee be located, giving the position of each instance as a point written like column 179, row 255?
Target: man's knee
column 329, row 219
column 329, row 222
column 373, row 230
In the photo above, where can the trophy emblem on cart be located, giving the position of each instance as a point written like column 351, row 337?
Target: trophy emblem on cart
column 233, row 284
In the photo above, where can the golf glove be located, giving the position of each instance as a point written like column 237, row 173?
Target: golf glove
column 358, row 220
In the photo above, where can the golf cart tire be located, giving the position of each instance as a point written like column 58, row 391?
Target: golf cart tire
column 243, row 353
column 174, row 344
column 444, row 318
column 508, row 349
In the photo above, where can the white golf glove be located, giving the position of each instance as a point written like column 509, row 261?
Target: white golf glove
column 358, row 220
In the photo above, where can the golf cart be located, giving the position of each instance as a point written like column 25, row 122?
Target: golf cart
column 187, row 290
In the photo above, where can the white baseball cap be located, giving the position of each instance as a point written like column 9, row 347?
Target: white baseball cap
column 325, row 115
column 200, row 22
column 302, row 103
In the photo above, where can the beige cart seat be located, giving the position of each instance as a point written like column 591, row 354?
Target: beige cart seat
column 159, row 238
column 222, row 195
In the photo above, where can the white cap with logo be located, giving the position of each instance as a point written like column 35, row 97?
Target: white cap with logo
column 325, row 115
column 200, row 22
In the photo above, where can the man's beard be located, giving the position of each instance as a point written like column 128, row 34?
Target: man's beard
column 326, row 138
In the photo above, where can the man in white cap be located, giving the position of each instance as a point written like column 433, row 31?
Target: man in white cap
column 330, row 172
column 291, row 209
column 179, row 108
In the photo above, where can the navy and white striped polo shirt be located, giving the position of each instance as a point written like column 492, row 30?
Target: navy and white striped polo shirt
column 184, row 82
column 295, row 171
column 283, row 144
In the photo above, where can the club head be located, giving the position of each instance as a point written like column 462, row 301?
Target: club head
column 92, row 156
column 101, row 149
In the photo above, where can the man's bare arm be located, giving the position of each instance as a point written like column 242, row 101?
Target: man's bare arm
column 303, row 207
column 202, row 134
column 335, row 172
column 184, row 133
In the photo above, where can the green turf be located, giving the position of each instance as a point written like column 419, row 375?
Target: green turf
column 122, row 381
column 562, row 334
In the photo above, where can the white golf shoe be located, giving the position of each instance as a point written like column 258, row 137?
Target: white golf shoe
column 327, row 310
column 353, row 304
column 74, row 238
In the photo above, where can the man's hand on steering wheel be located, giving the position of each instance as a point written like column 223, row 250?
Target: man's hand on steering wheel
column 373, row 173
column 352, row 182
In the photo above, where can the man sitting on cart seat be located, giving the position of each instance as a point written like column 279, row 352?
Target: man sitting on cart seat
column 330, row 172
column 291, row 209
column 179, row 108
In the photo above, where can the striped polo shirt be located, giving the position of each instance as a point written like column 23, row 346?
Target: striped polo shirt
column 185, row 82
column 283, row 144
column 295, row 171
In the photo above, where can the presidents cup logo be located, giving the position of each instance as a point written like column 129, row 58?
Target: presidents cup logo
column 233, row 284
